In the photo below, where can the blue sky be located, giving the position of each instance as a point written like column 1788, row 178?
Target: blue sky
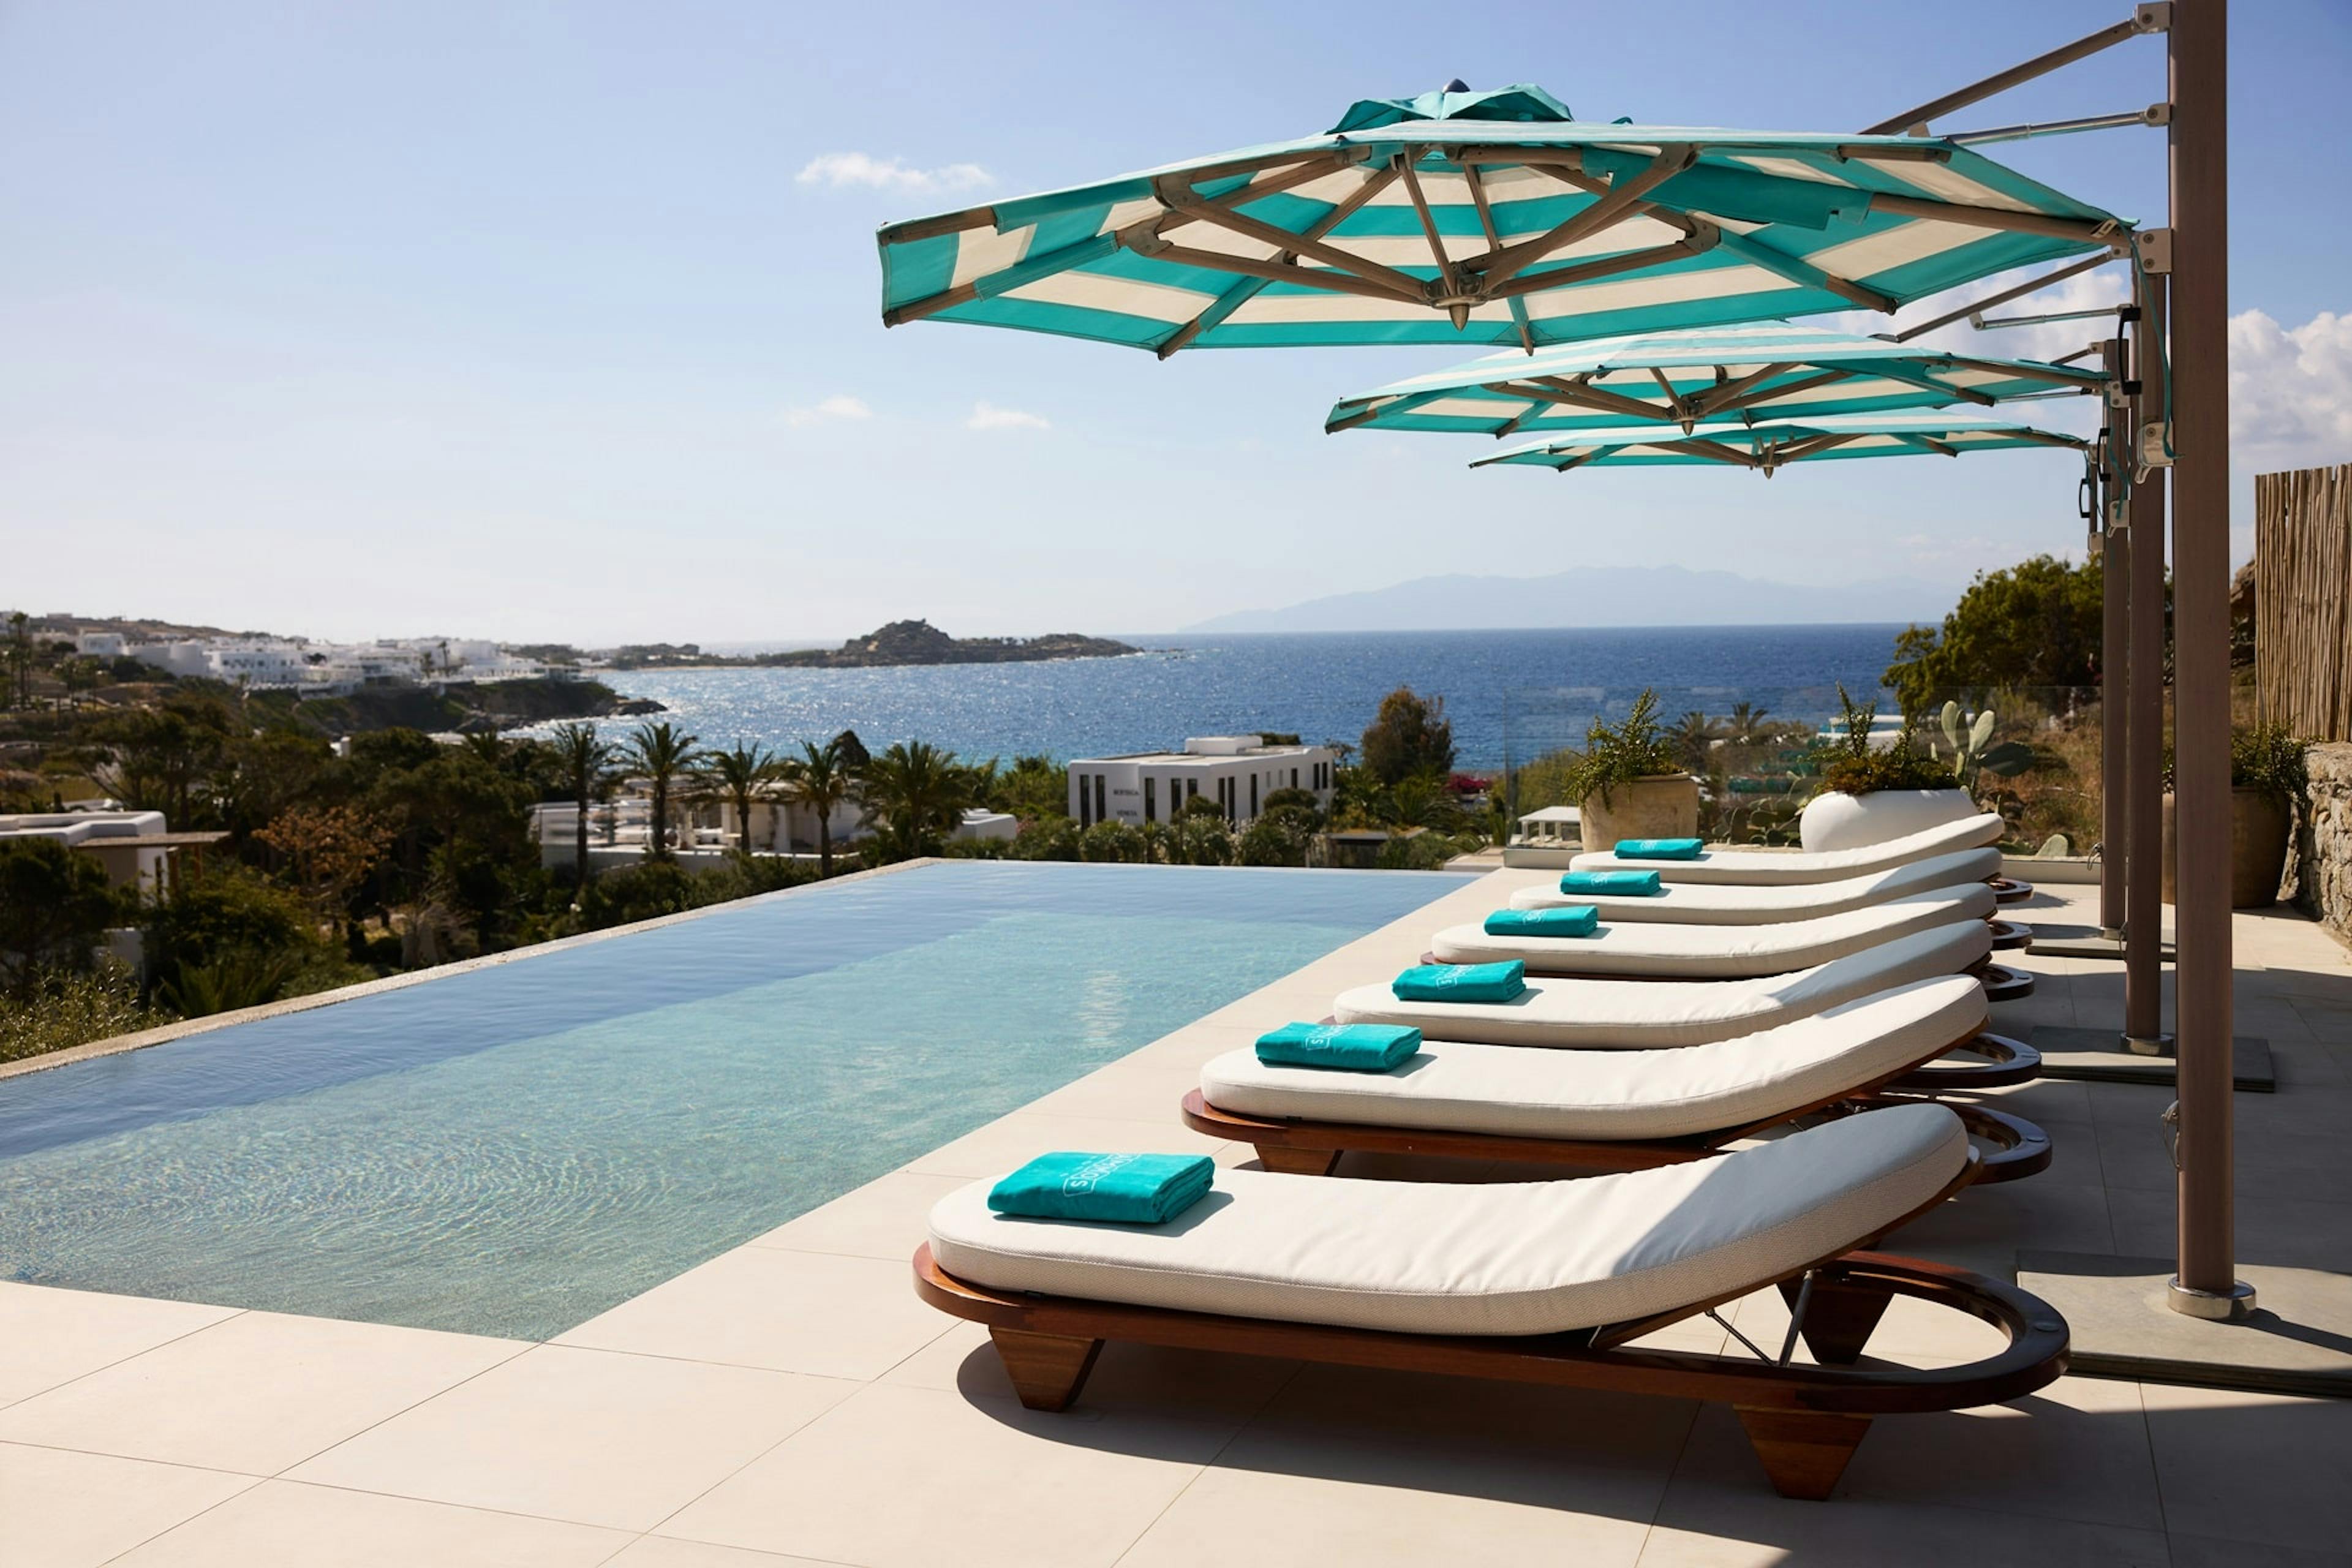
column 522, row 319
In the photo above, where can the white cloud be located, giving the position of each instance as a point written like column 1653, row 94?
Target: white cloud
column 840, row 406
column 989, row 417
column 844, row 169
column 2290, row 388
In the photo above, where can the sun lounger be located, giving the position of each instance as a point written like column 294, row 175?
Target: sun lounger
column 1656, row 951
column 1647, row 1013
column 1609, row 1110
column 1761, row 867
column 1537, row 1282
column 1733, row 903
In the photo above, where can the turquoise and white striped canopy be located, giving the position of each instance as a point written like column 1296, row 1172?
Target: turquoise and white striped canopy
column 1490, row 217
column 1767, row 446
column 1704, row 376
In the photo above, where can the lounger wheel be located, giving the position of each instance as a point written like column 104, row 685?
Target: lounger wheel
column 2004, row 1061
column 2011, row 935
column 2010, row 890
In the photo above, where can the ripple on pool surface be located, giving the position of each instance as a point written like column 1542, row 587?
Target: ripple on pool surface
column 512, row 1150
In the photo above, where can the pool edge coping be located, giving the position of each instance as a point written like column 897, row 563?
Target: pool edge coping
column 164, row 1034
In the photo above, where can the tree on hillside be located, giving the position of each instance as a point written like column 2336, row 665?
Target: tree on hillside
column 55, row 907
column 586, row 761
column 2034, row 624
column 660, row 754
column 821, row 779
column 915, row 795
column 1409, row 735
column 330, row 850
column 742, row 775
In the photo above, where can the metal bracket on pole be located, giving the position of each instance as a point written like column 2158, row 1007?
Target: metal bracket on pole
column 2153, row 248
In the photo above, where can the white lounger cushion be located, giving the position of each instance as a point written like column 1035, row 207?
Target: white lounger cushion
column 1734, row 903
column 1786, row 866
column 1649, row 1014
column 1455, row 1086
column 1718, row 952
column 1530, row 1257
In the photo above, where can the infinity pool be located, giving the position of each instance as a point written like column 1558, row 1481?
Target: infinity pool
column 512, row 1149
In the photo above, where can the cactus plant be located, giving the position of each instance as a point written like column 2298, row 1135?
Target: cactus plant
column 1972, row 751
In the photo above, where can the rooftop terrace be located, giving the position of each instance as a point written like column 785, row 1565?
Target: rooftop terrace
column 790, row 1402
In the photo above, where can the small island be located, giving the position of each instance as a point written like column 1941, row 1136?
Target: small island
column 919, row 642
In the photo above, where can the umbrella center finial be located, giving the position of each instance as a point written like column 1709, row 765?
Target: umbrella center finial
column 1456, row 85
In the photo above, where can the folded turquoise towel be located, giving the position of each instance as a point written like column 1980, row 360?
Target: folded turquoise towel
column 1125, row 1189
column 1622, row 884
column 1569, row 919
column 1354, row 1048
column 1461, row 981
column 1658, row 848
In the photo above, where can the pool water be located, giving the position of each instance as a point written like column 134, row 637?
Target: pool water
column 513, row 1149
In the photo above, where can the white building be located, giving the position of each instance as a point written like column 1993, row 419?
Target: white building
column 135, row 847
column 100, row 645
column 1237, row 771
column 292, row 663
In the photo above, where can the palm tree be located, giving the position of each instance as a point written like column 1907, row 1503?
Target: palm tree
column 586, row 760
column 915, row 795
column 658, row 753
column 821, row 779
column 741, row 776
column 1746, row 722
column 1690, row 737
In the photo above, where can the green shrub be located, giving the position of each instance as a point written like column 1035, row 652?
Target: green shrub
column 58, row 1009
column 1621, row 753
column 1851, row 763
column 229, row 911
column 1280, row 836
column 55, row 907
column 1114, row 841
column 1045, row 838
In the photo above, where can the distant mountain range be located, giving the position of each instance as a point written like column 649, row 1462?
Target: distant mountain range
column 1598, row 596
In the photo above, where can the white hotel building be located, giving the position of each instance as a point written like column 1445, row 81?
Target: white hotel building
column 1237, row 771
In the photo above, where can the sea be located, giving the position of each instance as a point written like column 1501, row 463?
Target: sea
column 1510, row 695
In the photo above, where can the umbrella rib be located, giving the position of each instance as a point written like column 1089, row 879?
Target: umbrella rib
column 2086, row 231
column 1797, row 451
column 1584, row 395
column 1616, row 202
column 1477, row 183
column 1762, row 395
column 2028, row 370
column 1730, row 393
column 1192, row 206
column 1329, row 280
column 1922, row 379
column 1698, row 447
column 1926, row 442
column 1241, row 293
column 1604, row 267
column 1797, row 270
column 1405, row 162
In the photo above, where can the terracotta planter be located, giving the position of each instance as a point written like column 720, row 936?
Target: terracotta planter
column 2259, row 824
column 1664, row 805
column 1836, row 821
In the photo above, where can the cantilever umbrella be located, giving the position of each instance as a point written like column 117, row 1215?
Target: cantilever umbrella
column 1484, row 218
column 1771, row 444
column 1769, row 371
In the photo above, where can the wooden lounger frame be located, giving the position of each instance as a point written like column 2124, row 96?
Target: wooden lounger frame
column 1805, row 1421
column 2019, row 1149
column 2007, row 936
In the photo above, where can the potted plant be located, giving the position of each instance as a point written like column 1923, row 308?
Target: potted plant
column 1876, row 787
column 2268, row 779
column 1629, row 784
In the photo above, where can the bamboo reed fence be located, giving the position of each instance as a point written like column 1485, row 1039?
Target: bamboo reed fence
column 2303, row 601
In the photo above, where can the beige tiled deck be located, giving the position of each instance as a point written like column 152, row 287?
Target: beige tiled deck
column 791, row 1402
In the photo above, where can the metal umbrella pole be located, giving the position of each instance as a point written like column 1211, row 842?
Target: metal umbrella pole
column 2144, row 774
column 2198, row 388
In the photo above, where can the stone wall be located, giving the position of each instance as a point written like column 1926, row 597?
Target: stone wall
column 2323, row 869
